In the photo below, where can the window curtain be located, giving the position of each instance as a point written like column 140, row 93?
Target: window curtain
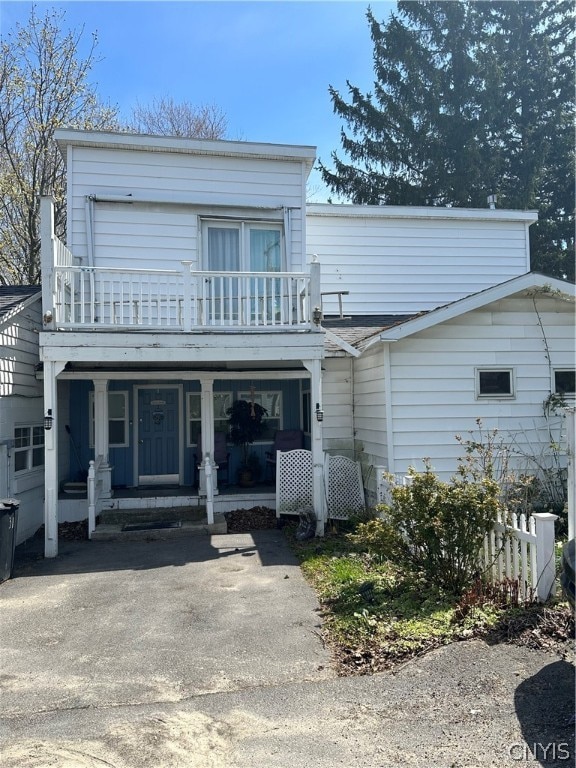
column 223, row 249
column 265, row 250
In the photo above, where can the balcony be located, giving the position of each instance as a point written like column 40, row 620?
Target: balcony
column 187, row 300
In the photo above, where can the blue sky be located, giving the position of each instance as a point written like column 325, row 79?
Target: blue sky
column 267, row 65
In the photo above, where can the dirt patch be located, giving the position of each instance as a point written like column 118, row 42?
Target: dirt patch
column 541, row 628
column 180, row 740
column 255, row 519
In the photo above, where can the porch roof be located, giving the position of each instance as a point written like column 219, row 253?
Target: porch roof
column 356, row 329
column 12, row 297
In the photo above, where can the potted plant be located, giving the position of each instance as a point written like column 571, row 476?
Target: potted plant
column 245, row 420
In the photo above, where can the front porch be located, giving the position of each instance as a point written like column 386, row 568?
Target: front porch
column 154, row 508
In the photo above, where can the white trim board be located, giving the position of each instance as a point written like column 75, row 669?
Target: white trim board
column 475, row 301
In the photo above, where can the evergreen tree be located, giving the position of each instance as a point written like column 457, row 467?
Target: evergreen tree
column 470, row 99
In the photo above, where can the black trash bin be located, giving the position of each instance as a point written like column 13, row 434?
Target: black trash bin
column 8, row 524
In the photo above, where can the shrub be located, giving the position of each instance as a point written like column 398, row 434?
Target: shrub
column 437, row 529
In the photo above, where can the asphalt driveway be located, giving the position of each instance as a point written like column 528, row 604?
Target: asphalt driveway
column 111, row 623
column 205, row 653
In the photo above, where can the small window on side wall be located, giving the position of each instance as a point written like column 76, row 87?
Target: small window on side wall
column 565, row 382
column 494, row 382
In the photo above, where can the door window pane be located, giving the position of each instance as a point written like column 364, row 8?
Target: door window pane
column 223, row 249
column 265, row 253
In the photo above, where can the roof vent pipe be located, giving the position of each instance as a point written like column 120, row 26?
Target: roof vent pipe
column 491, row 200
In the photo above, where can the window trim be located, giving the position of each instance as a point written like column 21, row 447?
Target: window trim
column 566, row 395
column 243, row 226
column 126, row 419
column 495, row 395
column 259, row 393
column 189, row 395
column 28, row 450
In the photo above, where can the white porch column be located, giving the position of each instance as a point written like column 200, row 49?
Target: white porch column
column 51, row 371
column 207, row 432
column 319, row 497
column 101, row 436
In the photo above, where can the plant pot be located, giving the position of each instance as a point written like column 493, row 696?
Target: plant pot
column 245, row 478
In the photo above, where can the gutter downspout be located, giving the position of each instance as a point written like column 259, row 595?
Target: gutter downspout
column 89, row 220
column 287, row 236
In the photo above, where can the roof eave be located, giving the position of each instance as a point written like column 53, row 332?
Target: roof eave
column 214, row 147
column 419, row 212
column 478, row 300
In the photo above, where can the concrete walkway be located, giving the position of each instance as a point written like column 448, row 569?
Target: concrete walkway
column 205, row 653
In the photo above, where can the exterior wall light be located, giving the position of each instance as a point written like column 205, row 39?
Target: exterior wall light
column 48, row 419
column 317, row 315
column 319, row 413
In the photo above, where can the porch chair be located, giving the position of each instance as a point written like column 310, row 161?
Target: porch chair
column 284, row 440
column 221, row 455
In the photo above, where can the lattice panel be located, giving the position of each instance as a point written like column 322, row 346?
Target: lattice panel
column 293, row 481
column 345, row 490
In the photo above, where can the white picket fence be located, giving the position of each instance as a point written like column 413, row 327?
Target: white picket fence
column 521, row 551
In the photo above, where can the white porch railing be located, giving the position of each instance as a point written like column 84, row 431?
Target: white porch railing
column 94, row 489
column 181, row 300
column 522, row 551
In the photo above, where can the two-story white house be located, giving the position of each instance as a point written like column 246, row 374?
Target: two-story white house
column 195, row 275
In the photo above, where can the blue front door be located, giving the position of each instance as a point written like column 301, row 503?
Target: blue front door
column 158, row 436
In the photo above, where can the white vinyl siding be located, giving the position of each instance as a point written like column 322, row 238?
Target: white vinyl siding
column 433, row 378
column 19, row 353
column 156, row 237
column 445, row 259
column 337, row 427
column 370, row 415
column 21, row 406
column 161, row 234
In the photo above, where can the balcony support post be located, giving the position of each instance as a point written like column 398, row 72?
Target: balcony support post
column 207, row 434
column 101, row 436
column 318, row 495
column 51, row 370
column 47, row 261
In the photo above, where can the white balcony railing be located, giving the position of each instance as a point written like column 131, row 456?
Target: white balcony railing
column 180, row 299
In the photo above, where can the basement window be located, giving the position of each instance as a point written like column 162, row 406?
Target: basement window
column 494, row 382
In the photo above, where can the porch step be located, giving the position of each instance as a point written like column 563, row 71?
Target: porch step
column 139, row 515
column 191, row 523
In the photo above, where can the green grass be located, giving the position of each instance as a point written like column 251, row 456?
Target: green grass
column 375, row 616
